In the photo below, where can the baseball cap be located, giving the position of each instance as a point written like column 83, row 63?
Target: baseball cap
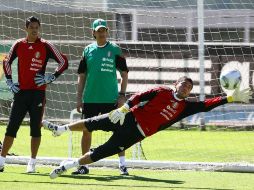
column 99, row 23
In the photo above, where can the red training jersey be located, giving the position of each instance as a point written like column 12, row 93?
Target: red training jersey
column 159, row 108
column 32, row 59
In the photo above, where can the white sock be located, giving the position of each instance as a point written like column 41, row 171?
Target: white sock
column 71, row 164
column 63, row 128
column 32, row 161
column 2, row 160
column 122, row 161
column 67, row 127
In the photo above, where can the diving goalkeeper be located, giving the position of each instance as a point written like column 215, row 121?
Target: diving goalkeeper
column 143, row 115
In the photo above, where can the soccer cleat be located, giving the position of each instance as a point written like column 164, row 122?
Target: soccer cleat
column 30, row 168
column 1, row 165
column 52, row 127
column 57, row 172
column 81, row 171
column 1, row 146
column 123, row 170
column 2, row 168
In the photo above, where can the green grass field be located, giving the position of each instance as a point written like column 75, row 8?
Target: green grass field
column 14, row 178
column 214, row 146
column 210, row 146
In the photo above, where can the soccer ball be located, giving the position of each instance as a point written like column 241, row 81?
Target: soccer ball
column 230, row 80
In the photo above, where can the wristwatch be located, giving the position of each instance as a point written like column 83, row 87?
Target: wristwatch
column 122, row 93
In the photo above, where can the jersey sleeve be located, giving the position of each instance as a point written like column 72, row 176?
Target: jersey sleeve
column 9, row 59
column 142, row 97
column 204, row 106
column 82, row 66
column 120, row 60
column 121, row 64
column 58, row 57
column 196, row 107
column 118, row 50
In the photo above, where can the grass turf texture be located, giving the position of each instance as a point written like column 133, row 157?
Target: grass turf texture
column 168, row 145
column 14, row 178
column 210, row 146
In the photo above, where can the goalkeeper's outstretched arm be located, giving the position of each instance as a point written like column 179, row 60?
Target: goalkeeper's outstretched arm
column 204, row 106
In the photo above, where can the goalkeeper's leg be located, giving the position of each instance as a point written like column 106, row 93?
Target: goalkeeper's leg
column 57, row 130
column 122, row 138
column 101, row 122
column 110, row 148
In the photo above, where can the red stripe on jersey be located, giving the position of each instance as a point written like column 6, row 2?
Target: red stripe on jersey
column 8, row 60
column 7, row 68
column 212, row 101
column 61, row 60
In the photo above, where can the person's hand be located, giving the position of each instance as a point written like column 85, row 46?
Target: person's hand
column 41, row 79
column 240, row 95
column 119, row 114
column 79, row 105
column 14, row 87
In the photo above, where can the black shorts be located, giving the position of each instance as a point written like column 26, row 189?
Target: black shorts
column 123, row 137
column 31, row 101
column 94, row 109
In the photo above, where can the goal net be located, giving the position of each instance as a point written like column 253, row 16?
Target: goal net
column 160, row 42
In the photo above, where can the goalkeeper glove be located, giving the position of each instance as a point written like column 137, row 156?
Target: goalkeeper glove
column 40, row 79
column 119, row 114
column 240, row 95
column 14, row 87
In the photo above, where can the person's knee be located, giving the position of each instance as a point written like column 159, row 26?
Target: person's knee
column 11, row 131
column 35, row 132
column 86, row 133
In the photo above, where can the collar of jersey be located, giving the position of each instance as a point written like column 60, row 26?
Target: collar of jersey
column 178, row 99
column 103, row 46
column 37, row 40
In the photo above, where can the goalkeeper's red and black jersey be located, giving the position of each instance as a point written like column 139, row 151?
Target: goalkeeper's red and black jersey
column 159, row 108
column 32, row 59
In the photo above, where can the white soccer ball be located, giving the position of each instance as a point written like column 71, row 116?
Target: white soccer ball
column 230, row 80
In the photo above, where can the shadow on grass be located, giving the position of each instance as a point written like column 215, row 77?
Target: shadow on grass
column 109, row 178
column 111, row 185
column 104, row 179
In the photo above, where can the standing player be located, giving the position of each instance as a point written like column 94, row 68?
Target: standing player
column 33, row 54
column 141, row 116
column 97, row 84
